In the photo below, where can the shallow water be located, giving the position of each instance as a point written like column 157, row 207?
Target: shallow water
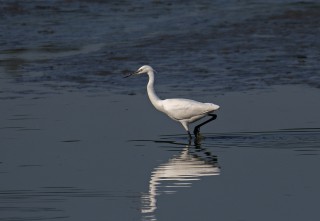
column 236, row 177
column 78, row 142
column 80, row 156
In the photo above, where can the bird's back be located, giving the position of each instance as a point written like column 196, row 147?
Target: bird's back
column 185, row 109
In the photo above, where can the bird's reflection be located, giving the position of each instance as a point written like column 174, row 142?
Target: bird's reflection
column 192, row 163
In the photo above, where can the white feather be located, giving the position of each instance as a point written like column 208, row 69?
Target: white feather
column 185, row 111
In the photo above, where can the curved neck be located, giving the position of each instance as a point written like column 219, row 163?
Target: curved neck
column 155, row 100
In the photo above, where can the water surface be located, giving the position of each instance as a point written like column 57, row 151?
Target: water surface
column 79, row 142
column 65, row 165
column 213, row 45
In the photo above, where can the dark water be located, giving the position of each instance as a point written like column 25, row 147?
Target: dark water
column 213, row 45
column 78, row 142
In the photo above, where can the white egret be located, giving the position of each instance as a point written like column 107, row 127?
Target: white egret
column 185, row 111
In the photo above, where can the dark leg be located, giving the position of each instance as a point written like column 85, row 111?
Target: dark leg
column 190, row 137
column 196, row 130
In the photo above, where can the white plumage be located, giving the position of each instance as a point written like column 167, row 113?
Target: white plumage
column 185, row 111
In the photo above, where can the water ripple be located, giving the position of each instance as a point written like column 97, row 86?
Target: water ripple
column 302, row 140
column 232, row 46
column 45, row 203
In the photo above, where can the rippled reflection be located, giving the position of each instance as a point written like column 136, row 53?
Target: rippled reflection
column 179, row 172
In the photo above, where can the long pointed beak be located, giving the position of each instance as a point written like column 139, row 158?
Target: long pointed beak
column 129, row 75
column 134, row 73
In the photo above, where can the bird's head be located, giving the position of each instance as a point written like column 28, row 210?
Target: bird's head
column 142, row 70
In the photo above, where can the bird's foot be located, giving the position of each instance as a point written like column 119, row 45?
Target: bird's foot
column 196, row 131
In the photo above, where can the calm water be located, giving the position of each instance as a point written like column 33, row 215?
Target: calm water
column 79, row 142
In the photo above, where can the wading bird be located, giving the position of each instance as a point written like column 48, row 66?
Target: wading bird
column 185, row 111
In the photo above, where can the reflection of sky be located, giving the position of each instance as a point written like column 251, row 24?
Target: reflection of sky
column 178, row 172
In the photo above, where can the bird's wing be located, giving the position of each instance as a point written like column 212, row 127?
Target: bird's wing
column 182, row 109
